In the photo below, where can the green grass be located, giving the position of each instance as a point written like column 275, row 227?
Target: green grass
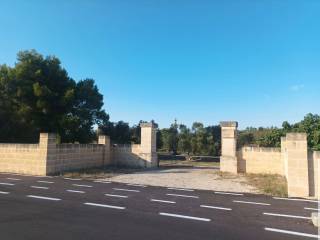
column 270, row 184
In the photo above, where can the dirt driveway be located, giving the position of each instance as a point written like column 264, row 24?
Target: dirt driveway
column 204, row 178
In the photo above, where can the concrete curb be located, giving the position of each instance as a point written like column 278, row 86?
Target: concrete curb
column 315, row 218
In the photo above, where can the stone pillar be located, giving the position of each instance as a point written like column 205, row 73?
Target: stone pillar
column 105, row 140
column 47, row 147
column 297, row 164
column 228, row 159
column 148, row 147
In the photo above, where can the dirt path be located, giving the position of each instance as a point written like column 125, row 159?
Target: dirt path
column 193, row 178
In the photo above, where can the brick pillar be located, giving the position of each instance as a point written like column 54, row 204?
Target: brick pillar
column 47, row 146
column 297, row 164
column 105, row 140
column 148, row 145
column 228, row 159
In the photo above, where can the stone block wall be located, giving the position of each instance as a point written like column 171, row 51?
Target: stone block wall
column 48, row 157
column 314, row 173
column 260, row 160
column 292, row 160
column 22, row 158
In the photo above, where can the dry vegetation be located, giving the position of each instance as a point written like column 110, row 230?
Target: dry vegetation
column 270, row 184
column 99, row 173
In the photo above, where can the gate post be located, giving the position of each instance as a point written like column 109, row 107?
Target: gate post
column 228, row 159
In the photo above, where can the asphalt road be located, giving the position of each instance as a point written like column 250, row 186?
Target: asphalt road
column 57, row 208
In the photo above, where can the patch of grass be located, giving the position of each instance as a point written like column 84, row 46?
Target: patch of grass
column 96, row 173
column 270, row 184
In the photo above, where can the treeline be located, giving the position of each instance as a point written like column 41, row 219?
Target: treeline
column 199, row 140
column 37, row 95
column 271, row 137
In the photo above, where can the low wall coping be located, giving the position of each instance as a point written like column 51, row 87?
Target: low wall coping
column 229, row 124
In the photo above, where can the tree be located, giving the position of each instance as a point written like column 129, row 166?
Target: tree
column 37, row 95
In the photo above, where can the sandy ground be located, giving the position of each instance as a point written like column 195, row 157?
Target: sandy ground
column 193, row 178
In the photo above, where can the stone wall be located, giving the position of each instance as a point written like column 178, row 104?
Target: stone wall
column 127, row 155
column 260, row 160
column 292, row 160
column 314, row 173
column 22, row 158
column 48, row 157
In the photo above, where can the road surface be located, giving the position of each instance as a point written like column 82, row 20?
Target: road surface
column 61, row 208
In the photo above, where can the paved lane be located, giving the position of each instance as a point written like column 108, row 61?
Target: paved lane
column 100, row 210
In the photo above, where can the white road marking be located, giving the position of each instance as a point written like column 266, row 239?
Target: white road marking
column 125, row 190
column 184, row 216
column 38, row 176
column 136, row 185
column 7, row 184
column 80, row 185
column 182, row 189
column 105, row 206
column 285, row 215
column 75, row 191
column 4, row 192
column 118, row 196
column 14, row 179
column 292, row 233
column 313, row 209
column 73, row 179
column 162, row 201
column 213, row 207
column 45, row 182
column 255, row 203
column 101, row 182
column 179, row 195
column 39, row 187
column 44, row 198
column 229, row 193
column 296, row 199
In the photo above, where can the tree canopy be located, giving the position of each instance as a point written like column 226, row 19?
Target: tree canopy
column 271, row 137
column 37, row 95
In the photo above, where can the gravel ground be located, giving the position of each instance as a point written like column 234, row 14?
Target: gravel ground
column 193, row 178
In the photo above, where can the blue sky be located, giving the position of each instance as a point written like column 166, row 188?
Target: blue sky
column 257, row 62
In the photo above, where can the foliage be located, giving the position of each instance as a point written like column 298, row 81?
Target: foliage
column 271, row 137
column 198, row 140
column 37, row 95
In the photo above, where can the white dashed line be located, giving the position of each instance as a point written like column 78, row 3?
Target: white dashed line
column 180, row 195
column 296, row 199
column 101, row 182
column 182, row 189
column 117, row 196
column 44, row 198
column 4, row 192
column 105, row 206
column 38, row 187
column 72, row 179
column 312, row 209
column 45, row 182
column 292, row 233
column 285, row 215
column 7, row 184
column 125, row 190
column 14, row 179
column 213, row 207
column 162, row 201
column 185, row 217
column 254, row 203
column 229, row 193
column 80, row 185
column 75, row 191
column 136, row 185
